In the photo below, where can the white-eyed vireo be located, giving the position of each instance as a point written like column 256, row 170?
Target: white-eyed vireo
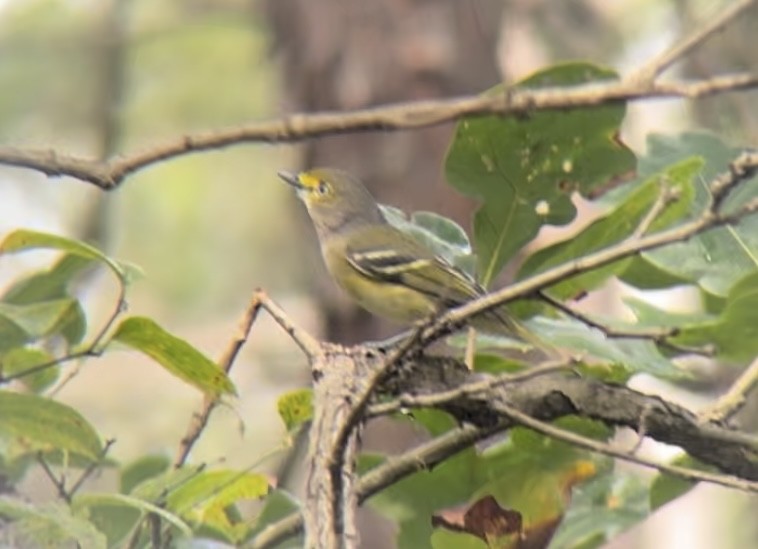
column 387, row 271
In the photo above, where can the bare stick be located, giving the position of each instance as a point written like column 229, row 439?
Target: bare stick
column 657, row 335
column 200, row 418
column 655, row 66
column 402, row 116
column 259, row 300
column 92, row 467
column 735, row 398
column 59, row 483
column 742, row 168
column 666, row 196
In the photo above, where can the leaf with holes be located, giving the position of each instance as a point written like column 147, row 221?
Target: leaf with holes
column 524, row 169
column 618, row 223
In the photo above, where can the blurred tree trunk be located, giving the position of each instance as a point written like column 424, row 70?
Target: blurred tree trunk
column 345, row 55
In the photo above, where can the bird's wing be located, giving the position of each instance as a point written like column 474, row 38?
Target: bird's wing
column 415, row 267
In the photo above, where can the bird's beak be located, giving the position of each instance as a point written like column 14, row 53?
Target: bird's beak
column 291, row 179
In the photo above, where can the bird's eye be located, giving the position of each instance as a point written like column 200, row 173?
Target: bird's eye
column 323, row 188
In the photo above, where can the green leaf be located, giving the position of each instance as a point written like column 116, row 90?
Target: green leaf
column 716, row 259
column 647, row 276
column 43, row 424
column 15, row 465
column 535, row 475
column 74, row 326
column 524, row 169
column 666, row 488
column 445, row 539
column 435, row 422
column 37, row 320
column 441, row 235
column 115, row 519
column 601, row 509
column 611, row 372
column 216, row 488
column 648, row 315
column 532, row 476
column 735, row 331
column 47, row 285
column 25, row 239
column 175, row 355
column 21, row 359
column 49, row 525
column 495, row 364
column 98, row 504
column 157, row 488
column 618, row 223
column 276, row 505
column 140, row 470
column 204, row 499
column 634, row 355
column 412, row 501
column 295, row 408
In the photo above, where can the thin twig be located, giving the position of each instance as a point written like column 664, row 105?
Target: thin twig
column 92, row 467
column 622, row 250
column 400, row 116
column 740, row 169
column 469, row 389
column 657, row 335
column 641, row 429
column 311, row 346
column 59, row 483
column 735, row 398
column 200, row 418
column 91, row 350
column 655, row 66
column 666, row 196
column 606, row 449
column 259, row 300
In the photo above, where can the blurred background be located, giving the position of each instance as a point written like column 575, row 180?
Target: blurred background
column 98, row 78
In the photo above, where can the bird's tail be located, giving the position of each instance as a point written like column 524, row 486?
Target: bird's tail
column 500, row 322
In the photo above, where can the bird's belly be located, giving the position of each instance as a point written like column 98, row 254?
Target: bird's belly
column 391, row 301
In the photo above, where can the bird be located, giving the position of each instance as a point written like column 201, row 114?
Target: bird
column 385, row 270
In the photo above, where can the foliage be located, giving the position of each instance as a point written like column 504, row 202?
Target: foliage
column 527, row 174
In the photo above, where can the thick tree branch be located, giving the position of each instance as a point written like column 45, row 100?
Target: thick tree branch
column 330, row 496
column 580, row 441
column 403, row 116
column 396, row 468
column 551, row 396
column 494, row 404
